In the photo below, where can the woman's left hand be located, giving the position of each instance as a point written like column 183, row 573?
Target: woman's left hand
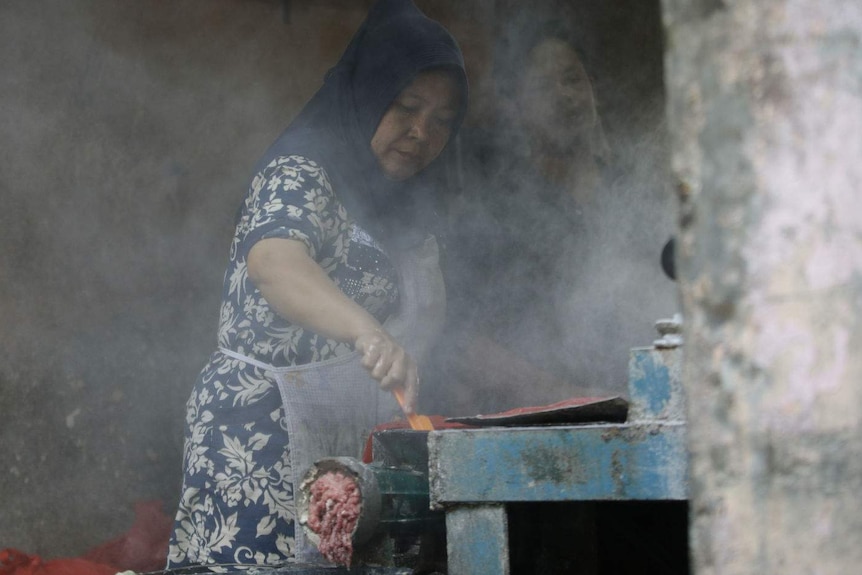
column 390, row 365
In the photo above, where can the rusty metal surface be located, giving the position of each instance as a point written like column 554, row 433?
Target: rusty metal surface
column 637, row 461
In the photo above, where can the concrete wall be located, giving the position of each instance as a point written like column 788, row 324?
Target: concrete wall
column 765, row 108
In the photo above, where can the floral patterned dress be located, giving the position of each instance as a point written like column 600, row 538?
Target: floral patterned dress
column 237, row 500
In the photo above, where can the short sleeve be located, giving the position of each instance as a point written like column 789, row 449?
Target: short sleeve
column 290, row 198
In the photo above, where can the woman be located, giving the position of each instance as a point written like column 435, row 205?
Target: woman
column 331, row 269
column 554, row 168
column 530, row 207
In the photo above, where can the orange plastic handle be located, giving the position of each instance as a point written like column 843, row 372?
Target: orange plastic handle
column 419, row 422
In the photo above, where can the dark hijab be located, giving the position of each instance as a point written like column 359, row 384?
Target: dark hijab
column 394, row 44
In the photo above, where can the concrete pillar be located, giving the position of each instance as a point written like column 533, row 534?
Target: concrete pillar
column 765, row 108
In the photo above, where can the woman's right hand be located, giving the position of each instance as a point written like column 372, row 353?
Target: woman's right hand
column 390, row 365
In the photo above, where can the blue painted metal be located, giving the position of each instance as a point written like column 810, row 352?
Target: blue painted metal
column 655, row 384
column 473, row 473
column 572, row 463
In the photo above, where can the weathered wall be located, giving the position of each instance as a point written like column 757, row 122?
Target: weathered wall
column 765, row 107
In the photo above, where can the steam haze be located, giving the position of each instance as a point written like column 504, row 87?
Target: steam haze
column 129, row 129
column 607, row 291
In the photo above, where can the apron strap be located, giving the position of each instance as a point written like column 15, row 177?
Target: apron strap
column 246, row 359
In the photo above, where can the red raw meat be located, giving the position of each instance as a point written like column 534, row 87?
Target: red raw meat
column 333, row 512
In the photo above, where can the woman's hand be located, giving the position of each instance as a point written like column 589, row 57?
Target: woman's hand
column 390, row 365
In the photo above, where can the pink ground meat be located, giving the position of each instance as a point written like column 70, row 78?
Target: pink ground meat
column 333, row 511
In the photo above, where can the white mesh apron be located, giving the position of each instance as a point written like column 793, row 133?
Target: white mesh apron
column 332, row 406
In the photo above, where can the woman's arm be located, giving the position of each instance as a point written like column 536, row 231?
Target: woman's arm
column 299, row 290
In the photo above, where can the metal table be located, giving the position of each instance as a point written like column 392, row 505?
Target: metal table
column 475, row 473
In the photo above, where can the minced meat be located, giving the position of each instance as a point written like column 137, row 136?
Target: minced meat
column 333, row 510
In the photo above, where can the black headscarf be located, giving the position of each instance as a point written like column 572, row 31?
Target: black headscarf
column 394, row 44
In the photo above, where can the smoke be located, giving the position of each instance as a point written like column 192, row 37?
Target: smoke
column 622, row 290
column 129, row 133
column 604, row 289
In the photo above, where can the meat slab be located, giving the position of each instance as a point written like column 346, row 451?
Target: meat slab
column 333, row 510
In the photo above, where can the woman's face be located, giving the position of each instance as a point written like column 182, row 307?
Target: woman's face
column 555, row 96
column 416, row 126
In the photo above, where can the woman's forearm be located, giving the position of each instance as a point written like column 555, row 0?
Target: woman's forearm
column 299, row 290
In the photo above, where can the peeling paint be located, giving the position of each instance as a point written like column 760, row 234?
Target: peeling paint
column 549, row 465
